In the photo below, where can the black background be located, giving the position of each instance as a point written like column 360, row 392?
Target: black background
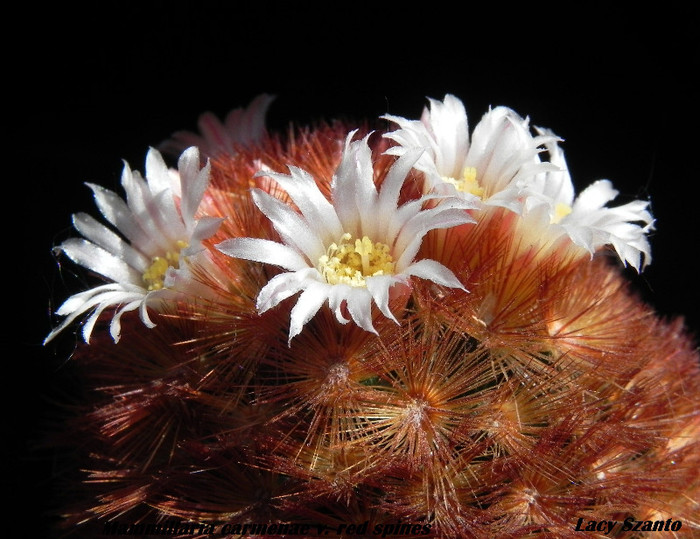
column 90, row 87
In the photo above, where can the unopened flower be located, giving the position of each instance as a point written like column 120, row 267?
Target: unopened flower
column 351, row 250
column 549, row 198
column 241, row 127
column 500, row 152
column 158, row 232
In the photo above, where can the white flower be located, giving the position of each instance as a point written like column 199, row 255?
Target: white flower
column 351, row 250
column 585, row 219
column 158, row 233
column 241, row 127
column 500, row 153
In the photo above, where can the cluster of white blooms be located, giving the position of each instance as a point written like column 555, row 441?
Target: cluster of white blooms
column 501, row 166
column 351, row 251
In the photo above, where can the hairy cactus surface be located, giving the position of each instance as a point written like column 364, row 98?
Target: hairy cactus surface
column 399, row 329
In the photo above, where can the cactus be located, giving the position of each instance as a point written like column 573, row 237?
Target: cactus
column 536, row 396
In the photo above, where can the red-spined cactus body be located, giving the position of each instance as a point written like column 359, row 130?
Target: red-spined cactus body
column 542, row 396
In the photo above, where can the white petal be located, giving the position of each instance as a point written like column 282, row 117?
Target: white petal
column 283, row 286
column 114, row 325
column 103, row 237
column 337, row 294
column 359, row 302
column 414, row 134
column 448, row 123
column 379, row 287
column 409, row 251
column 316, row 209
column 157, row 172
column 510, row 198
column 450, row 207
column 95, row 258
column 557, row 183
column 308, row 304
column 152, row 205
column 194, row 182
column 595, row 196
column 434, row 271
column 160, row 219
column 353, row 191
column 443, row 131
column 292, row 228
column 115, row 210
column 391, row 188
column 265, row 251
column 446, row 215
column 99, row 299
column 205, row 228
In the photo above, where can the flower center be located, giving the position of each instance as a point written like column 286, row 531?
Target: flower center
column 154, row 276
column 467, row 183
column 561, row 210
column 350, row 262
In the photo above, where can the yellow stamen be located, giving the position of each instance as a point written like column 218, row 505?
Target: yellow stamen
column 561, row 210
column 467, row 183
column 350, row 262
column 154, row 276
